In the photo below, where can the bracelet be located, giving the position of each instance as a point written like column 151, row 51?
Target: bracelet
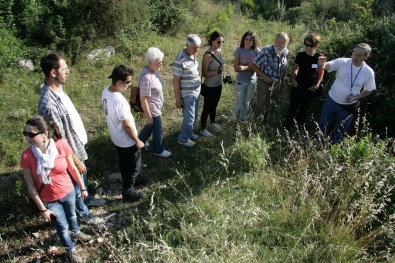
column 219, row 71
column 83, row 190
column 43, row 210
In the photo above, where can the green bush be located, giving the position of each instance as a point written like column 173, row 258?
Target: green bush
column 11, row 49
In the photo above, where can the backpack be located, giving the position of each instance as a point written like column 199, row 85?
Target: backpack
column 134, row 99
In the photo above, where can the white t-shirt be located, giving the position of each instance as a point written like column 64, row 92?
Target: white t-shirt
column 362, row 78
column 76, row 122
column 117, row 109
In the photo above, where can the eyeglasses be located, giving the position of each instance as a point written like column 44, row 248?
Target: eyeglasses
column 309, row 45
column 249, row 39
column 30, row 134
column 220, row 42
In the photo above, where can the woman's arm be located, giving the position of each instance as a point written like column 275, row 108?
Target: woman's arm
column 27, row 174
column 205, row 65
column 145, row 106
column 73, row 170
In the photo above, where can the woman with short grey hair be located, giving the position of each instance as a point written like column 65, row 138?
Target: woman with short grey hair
column 152, row 100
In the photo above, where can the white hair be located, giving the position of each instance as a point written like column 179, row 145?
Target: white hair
column 365, row 47
column 193, row 39
column 154, row 54
column 283, row 35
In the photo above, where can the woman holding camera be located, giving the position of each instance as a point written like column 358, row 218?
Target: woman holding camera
column 45, row 164
column 246, row 76
column 212, row 68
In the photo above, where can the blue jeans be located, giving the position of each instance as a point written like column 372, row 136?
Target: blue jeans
column 334, row 120
column 66, row 218
column 80, row 204
column 243, row 95
column 156, row 130
column 190, row 111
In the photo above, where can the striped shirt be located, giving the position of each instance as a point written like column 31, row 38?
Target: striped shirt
column 271, row 63
column 187, row 70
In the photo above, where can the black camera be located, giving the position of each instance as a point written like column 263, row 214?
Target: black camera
column 228, row 79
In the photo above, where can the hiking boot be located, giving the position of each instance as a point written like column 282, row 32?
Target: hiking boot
column 164, row 154
column 92, row 220
column 130, row 194
column 73, row 257
column 96, row 202
column 189, row 143
column 82, row 237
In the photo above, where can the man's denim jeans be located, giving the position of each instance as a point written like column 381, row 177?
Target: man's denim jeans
column 244, row 92
column 66, row 218
column 334, row 120
column 156, row 130
column 190, row 112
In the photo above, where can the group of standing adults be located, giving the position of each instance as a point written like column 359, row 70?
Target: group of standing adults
column 54, row 166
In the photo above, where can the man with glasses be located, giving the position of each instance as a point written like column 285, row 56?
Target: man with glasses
column 354, row 81
column 186, row 84
column 270, row 65
column 123, row 132
column 56, row 106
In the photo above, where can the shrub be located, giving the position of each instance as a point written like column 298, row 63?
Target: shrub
column 11, row 49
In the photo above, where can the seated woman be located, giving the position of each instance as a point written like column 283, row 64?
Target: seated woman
column 45, row 163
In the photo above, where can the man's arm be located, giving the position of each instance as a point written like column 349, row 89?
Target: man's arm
column 177, row 92
column 260, row 73
column 127, row 126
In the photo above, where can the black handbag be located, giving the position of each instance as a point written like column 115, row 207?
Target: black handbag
column 318, row 92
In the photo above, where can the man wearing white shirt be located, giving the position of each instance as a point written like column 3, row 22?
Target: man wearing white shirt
column 354, row 81
column 123, row 132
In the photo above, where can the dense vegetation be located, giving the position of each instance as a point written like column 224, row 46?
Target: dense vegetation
column 246, row 195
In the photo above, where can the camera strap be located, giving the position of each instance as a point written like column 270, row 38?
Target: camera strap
column 212, row 54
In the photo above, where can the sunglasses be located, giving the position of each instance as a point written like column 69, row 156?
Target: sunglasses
column 220, row 42
column 30, row 134
column 128, row 82
column 309, row 45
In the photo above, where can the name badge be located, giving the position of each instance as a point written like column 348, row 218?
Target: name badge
column 314, row 66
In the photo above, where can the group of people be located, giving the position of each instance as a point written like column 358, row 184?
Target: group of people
column 53, row 164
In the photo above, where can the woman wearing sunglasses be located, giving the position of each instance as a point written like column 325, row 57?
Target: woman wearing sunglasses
column 212, row 68
column 306, row 78
column 45, row 164
column 246, row 76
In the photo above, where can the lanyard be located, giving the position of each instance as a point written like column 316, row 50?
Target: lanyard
column 353, row 81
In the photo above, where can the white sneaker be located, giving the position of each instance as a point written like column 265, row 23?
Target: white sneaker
column 146, row 145
column 189, row 143
column 164, row 154
column 216, row 127
column 194, row 136
column 206, row 133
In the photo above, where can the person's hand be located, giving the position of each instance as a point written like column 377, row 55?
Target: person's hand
column 350, row 99
column 81, row 167
column 266, row 78
column 294, row 83
column 178, row 104
column 239, row 68
column 47, row 215
column 84, row 194
column 313, row 88
column 149, row 120
column 321, row 61
column 139, row 144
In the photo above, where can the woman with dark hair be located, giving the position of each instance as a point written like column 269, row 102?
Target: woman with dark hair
column 306, row 78
column 246, row 76
column 45, row 164
column 212, row 68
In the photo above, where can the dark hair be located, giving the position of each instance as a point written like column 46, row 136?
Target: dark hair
column 313, row 38
column 44, row 125
column 214, row 36
column 253, row 36
column 121, row 73
column 50, row 62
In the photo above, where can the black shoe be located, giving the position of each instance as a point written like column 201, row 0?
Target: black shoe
column 140, row 181
column 130, row 194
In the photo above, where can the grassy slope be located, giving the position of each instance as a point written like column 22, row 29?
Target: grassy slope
column 232, row 198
